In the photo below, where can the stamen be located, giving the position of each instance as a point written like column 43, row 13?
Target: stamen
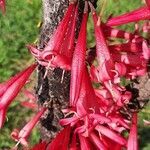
column 17, row 144
column 62, row 77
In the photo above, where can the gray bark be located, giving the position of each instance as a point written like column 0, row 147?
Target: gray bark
column 51, row 91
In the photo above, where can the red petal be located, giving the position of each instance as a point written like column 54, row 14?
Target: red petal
column 130, row 59
column 30, row 95
column 78, row 62
column 5, row 85
column 103, row 54
column 141, row 13
column 84, row 143
column 100, row 118
column 40, row 146
column 67, row 121
column 67, row 47
column 98, row 143
column 29, row 105
column 121, row 69
column 26, row 130
column 117, row 33
column 57, row 38
column 61, row 142
column 14, row 88
column 111, row 134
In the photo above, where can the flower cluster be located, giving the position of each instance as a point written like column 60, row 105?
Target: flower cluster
column 93, row 119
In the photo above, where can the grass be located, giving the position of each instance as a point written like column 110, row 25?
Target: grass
column 18, row 28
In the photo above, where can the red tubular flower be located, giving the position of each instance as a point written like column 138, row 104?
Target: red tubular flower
column 58, row 36
column 13, row 87
column 24, row 133
column 59, row 50
column 4, row 86
column 142, row 13
column 84, row 143
column 78, row 61
column 2, row 6
column 103, row 54
column 133, row 139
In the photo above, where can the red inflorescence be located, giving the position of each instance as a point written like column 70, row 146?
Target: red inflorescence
column 93, row 118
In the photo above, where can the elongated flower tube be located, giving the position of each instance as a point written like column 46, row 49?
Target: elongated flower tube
column 142, row 13
column 103, row 54
column 59, row 50
column 24, row 133
column 2, row 6
column 4, row 86
column 133, row 139
column 12, row 91
column 78, row 62
column 58, row 35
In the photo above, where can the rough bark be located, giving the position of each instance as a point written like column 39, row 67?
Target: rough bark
column 51, row 91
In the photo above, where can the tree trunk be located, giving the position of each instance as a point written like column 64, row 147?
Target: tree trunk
column 50, row 90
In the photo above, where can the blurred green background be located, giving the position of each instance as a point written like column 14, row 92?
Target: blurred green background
column 18, row 28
